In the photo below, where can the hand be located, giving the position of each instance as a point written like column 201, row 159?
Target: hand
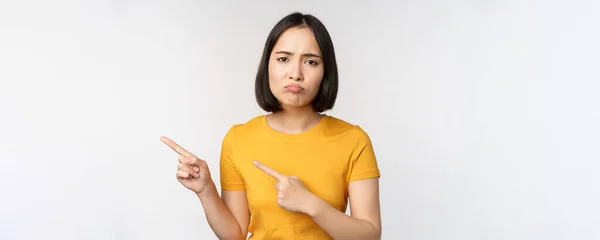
column 192, row 172
column 292, row 195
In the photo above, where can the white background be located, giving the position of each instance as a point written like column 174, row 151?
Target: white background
column 484, row 114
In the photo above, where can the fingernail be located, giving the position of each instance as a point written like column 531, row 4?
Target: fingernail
column 255, row 163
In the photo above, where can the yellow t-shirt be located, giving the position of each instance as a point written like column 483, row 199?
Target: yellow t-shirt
column 325, row 158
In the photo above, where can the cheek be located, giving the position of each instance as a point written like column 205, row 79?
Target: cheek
column 276, row 74
column 276, row 69
column 314, row 80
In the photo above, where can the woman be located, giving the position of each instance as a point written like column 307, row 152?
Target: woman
column 294, row 169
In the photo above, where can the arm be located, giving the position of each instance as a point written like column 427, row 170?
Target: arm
column 227, row 217
column 364, row 222
column 365, row 219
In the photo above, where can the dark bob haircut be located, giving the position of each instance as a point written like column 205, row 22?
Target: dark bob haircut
column 325, row 98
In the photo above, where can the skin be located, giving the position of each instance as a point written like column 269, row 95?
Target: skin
column 295, row 59
column 227, row 216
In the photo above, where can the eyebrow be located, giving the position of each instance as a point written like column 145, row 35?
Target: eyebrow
column 305, row 54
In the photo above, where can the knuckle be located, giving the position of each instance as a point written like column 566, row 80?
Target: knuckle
column 182, row 173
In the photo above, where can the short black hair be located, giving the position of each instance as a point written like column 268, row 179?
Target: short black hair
column 325, row 98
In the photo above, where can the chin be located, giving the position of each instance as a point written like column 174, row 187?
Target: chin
column 294, row 103
column 291, row 100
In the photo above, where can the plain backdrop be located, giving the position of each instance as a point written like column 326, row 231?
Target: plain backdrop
column 484, row 114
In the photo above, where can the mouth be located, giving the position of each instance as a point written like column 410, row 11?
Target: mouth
column 295, row 88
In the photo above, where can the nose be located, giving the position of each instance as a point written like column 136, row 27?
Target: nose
column 296, row 78
column 295, row 72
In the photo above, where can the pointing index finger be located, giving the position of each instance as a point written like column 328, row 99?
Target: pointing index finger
column 175, row 146
column 269, row 171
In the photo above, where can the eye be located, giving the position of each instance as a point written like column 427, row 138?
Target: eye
column 282, row 59
column 311, row 62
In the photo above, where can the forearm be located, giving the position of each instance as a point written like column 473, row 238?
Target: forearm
column 219, row 218
column 341, row 226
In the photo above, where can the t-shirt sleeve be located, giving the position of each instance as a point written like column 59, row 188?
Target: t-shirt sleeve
column 230, row 177
column 364, row 162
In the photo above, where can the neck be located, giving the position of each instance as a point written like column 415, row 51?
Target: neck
column 294, row 120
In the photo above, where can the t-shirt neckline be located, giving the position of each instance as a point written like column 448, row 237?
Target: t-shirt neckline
column 310, row 133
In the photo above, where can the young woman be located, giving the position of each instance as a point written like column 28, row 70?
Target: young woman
column 289, row 174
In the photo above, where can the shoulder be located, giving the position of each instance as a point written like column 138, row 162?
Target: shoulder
column 336, row 126
column 241, row 130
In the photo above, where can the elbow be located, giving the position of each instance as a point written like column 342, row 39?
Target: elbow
column 238, row 237
column 376, row 233
column 378, row 236
column 241, row 236
column 231, row 236
column 372, row 232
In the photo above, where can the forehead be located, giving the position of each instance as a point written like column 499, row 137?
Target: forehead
column 297, row 39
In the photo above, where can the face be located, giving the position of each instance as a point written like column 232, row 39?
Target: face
column 295, row 68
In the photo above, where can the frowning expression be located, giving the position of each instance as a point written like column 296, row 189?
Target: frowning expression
column 295, row 68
